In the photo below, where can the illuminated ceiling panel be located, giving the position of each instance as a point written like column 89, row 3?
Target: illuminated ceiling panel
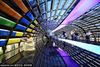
column 58, row 10
column 88, row 21
column 49, row 5
column 82, row 7
column 52, row 9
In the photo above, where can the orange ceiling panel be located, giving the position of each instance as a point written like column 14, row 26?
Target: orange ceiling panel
column 8, row 10
column 21, row 5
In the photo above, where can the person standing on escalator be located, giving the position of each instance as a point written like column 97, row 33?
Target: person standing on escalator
column 64, row 36
column 75, row 36
column 88, row 36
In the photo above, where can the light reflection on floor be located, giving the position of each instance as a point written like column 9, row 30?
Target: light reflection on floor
column 90, row 47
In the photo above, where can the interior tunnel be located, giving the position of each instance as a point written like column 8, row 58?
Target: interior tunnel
column 50, row 33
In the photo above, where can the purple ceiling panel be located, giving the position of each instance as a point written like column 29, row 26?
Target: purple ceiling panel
column 82, row 7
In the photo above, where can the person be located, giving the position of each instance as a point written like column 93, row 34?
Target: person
column 65, row 37
column 56, row 36
column 88, row 36
column 72, row 36
column 49, row 41
column 75, row 36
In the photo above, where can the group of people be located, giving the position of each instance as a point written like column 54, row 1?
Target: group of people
column 75, row 36
column 63, row 35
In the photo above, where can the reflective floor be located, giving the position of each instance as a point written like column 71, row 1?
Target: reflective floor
column 48, row 57
column 50, row 33
column 58, row 55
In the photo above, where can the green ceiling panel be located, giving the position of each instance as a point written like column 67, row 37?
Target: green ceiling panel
column 6, row 22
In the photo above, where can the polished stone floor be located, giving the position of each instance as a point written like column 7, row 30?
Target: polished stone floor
column 48, row 57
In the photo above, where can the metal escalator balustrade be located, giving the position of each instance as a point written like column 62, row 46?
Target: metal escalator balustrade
column 81, row 56
column 91, row 47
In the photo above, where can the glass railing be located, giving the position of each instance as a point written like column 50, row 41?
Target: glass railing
column 10, row 54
